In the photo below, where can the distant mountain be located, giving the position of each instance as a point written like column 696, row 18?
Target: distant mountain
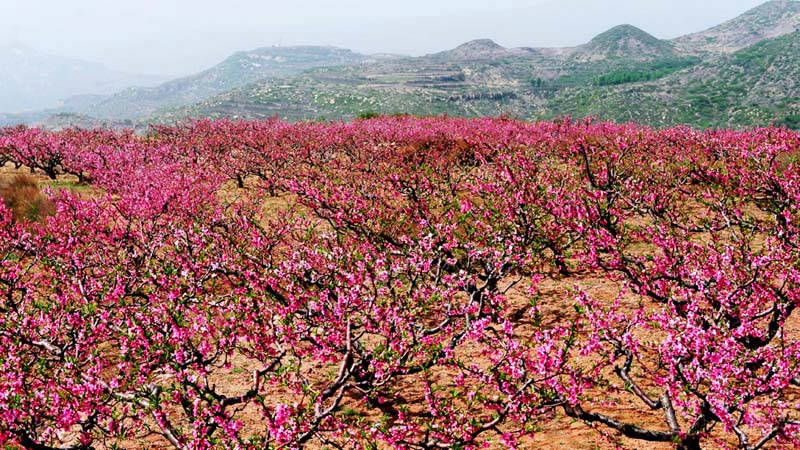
column 623, row 74
column 476, row 78
column 237, row 70
column 753, row 86
column 626, row 41
column 31, row 79
column 769, row 20
column 620, row 42
column 9, row 119
column 479, row 49
column 69, row 120
column 744, row 72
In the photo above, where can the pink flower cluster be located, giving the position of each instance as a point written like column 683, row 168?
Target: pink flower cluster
column 394, row 299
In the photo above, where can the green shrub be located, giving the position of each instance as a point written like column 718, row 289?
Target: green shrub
column 368, row 115
column 646, row 72
column 791, row 121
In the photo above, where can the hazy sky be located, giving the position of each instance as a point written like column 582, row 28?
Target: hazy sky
column 177, row 37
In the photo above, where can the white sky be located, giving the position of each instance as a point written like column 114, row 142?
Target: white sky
column 177, row 37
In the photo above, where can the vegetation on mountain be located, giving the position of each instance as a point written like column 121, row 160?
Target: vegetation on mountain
column 627, row 41
column 623, row 74
column 237, row 70
column 741, row 73
column 769, row 20
column 753, row 86
column 646, row 72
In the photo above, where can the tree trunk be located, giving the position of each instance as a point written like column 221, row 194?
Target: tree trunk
column 558, row 257
column 690, row 443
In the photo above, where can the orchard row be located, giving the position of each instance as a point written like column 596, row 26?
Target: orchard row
column 378, row 284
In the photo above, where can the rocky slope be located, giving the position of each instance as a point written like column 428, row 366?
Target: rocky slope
column 626, row 41
column 769, row 20
column 740, row 73
column 753, row 86
column 237, row 70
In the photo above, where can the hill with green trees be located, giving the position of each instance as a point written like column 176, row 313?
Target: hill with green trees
column 757, row 85
column 624, row 74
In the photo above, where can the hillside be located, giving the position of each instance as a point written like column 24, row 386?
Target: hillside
column 739, row 73
column 769, row 20
column 754, row 86
column 481, row 49
column 32, row 79
column 237, row 70
column 745, row 78
column 626, row 41
column 477, row 78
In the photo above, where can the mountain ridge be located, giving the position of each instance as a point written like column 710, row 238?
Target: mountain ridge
column 768, row 20
column 753, row 86
column 627, row 41
column 482, row 77
column 236, row 70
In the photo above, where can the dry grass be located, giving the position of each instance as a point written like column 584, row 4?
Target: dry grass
column 21, row 194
